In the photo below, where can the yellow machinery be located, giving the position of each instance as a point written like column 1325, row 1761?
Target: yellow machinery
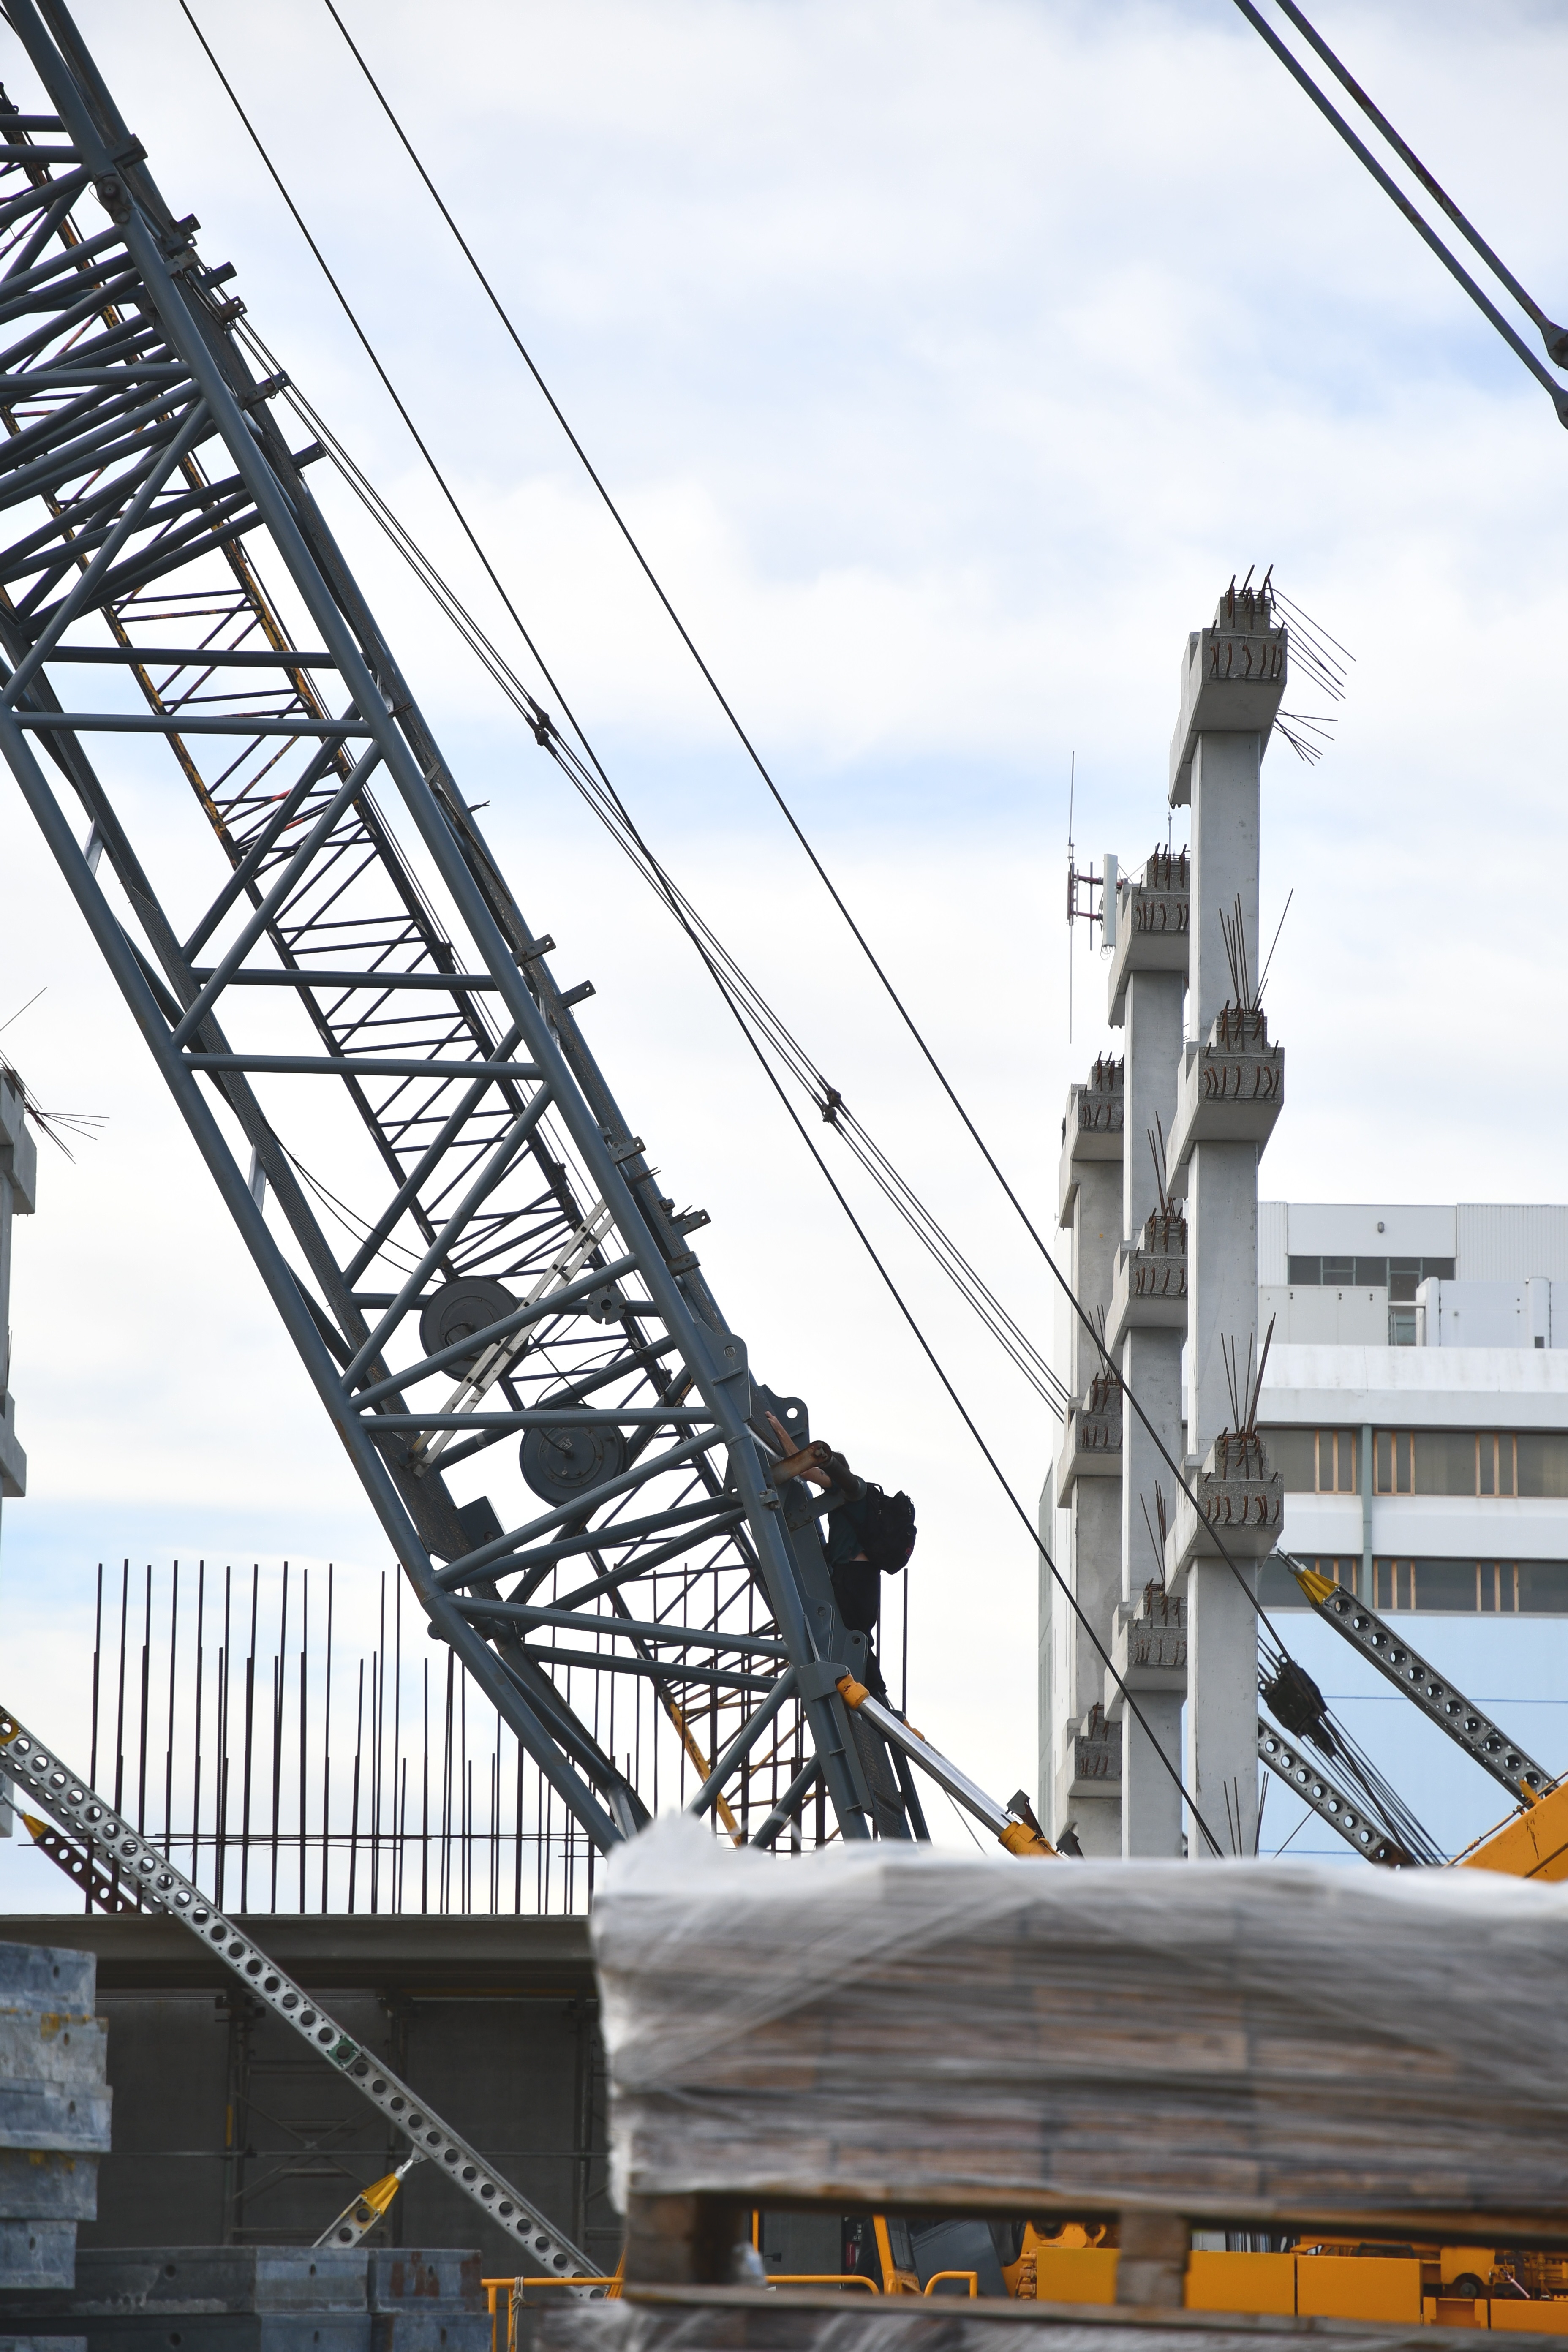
column 1532, row 1843
column 1451, row 2286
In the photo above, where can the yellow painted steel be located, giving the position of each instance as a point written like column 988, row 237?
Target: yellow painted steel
column 1075, row 2274
column 1220, row 2282
column 1527, row 2318
column 1532, row 1843
column 1358, row 2286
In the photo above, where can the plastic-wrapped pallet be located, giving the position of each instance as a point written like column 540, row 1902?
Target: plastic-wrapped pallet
column 1227, row 2040
column 800, row 2323
column 54, row 2110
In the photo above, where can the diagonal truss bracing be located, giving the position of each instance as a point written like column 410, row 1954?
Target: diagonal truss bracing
column 509, row 1329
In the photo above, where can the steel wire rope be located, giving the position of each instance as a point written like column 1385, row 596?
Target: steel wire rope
column 972, row 1427
column 1277, row 1651
column 758, row 762
column 593, row 784
column 608, row 806
column 1553, row 335
column 1014, row 1340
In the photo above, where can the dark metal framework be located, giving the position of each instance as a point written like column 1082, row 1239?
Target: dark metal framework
column 348, row 1007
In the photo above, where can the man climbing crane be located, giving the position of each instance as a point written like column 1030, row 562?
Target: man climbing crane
column 869, row 1534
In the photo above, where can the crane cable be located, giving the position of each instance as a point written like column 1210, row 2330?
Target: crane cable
column 595, row 784
column 595, row 787
column 1085, row 1319
column 1337, row 1746
column 1555, row 337
column 1274, row 1647
column 1348, row 1751
column 678, row 905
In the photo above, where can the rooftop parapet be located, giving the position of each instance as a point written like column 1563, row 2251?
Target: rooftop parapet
column 1092, row 1437
column 1148, row 1289
column 1232, row 677
column 1094, row 1745
column 1153, row 915
column 1232, row 1088
column 1240, row 1501
column 1092, row 1126
column 1148, row 1648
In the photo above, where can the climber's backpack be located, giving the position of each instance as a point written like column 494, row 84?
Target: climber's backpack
column 887, row 1530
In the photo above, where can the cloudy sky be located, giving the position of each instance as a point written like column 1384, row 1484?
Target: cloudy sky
column 948, row 359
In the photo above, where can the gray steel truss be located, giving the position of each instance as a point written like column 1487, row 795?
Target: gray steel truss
column 499, row 1308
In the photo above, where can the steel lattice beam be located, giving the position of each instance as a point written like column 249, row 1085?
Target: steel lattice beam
column 355, row 993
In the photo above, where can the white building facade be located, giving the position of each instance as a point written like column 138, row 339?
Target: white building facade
column 1415, row 1401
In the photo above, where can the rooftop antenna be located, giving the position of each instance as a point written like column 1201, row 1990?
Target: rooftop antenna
column 1083, row 910
column 1072, row 883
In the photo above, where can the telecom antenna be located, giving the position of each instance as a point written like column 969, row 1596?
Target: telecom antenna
column 561, row 1435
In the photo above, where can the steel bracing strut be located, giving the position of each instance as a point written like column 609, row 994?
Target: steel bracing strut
column 348, row 1007
column 108, row 1838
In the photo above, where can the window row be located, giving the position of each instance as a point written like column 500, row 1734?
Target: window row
column 1470, row 1461
column 1397, row 1276
column 1521, row 1587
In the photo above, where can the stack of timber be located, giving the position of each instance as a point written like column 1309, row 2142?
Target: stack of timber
column 54, row 2112
column 263, row 2299
column 1370, row 2054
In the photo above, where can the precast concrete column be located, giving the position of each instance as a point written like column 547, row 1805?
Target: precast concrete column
column 1147, row 1326
column 1231, row 1084
column 1226, row 792
column 1080, row 1767
column 19, row 1187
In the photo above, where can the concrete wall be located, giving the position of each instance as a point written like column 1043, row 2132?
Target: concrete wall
column 1315, row 1316
column 227, row 2130
column 1489, row 1241
column 1528, row 1314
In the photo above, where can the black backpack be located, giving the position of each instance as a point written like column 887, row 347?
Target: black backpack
column 887, row 1530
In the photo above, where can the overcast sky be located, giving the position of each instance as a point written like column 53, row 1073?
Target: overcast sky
column 948, row 359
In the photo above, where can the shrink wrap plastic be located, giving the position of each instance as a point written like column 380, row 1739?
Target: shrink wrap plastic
column 905, row 2323
column 1241, row 2039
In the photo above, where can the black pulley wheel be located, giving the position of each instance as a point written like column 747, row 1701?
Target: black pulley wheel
column 563, row 1462
column 458, row 1307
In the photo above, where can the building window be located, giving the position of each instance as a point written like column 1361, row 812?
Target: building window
column 1397, row 1276
column 1293, row 1452
column 1337, row 1467
column 1543, row 1462
column 1392, row 1470
column 1469, row 1462
column 1471, row 1587
column 1541, row 1587
column 1447, row 1461
column 1463, row 1588
column 1315, row 1461
column 1481, row 1462
column 1402, row 1327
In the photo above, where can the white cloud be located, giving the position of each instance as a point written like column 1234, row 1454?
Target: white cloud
column 948, row 358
